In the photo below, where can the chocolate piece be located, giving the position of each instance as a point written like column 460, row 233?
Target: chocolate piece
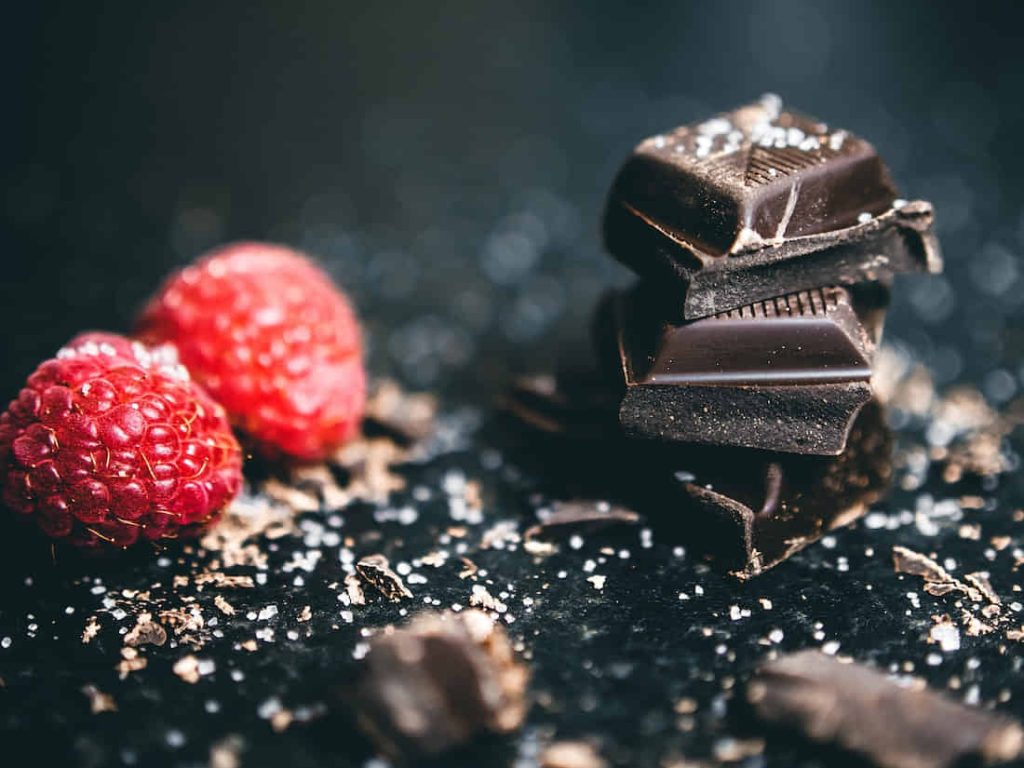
column 859, row 709
column 439, row 682
column 376, row 571
column 575, row 516
column 749, row 510
column 759, row 202
column 787, row 375
column 755, row 509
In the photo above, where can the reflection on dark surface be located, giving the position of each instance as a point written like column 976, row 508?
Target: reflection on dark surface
column 747, row 510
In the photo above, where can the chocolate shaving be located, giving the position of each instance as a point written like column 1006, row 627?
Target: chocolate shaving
column 376, row 571
column 146, row 632
column 354, row 590
column 860, row 710
column 98, row 700
column 938, row 581
column 568, row 517
column 439, row 682
column 409, row 418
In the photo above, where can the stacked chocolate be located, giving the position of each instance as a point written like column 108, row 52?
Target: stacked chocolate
column 765, row 242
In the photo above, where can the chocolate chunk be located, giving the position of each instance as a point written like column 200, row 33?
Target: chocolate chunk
column 788, row 374
column 759, row 202
column 439, row 682
column 568, row 517
column 748, row 509
column 376, row 571
column 860, row 710
column 755, row 509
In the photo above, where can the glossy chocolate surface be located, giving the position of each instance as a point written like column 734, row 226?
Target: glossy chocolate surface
column 753, row 177
column 806, row 337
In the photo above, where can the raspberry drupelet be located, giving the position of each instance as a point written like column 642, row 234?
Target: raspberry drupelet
column 111, row 443
column 272, row 338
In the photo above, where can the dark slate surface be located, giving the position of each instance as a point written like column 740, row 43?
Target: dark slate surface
column 451, row 178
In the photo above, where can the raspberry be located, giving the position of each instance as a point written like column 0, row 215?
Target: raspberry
column 272, row 339
column 110, row 443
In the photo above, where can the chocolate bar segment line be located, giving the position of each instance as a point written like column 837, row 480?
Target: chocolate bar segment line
column 783, row 382
column 806, row 337
column 895, row 242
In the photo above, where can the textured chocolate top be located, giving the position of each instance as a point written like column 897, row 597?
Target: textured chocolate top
column 809, row 337
column 753, row 177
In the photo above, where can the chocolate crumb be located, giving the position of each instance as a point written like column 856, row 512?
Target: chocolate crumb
column 408, row 417
column 354, row 590
column 98, row 700
column 376, row 571
column 223, row 606
column 567, row 517
column 146, row 632
column 438, row 682
column 860, row 710
column 571, row 754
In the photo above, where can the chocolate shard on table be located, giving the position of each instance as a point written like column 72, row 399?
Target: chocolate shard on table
column 788, row 374
column 859, row 709
column 759, row 202
column 439, row 682
column 755, row 509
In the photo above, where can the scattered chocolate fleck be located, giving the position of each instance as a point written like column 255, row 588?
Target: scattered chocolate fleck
column 187, row 668
column 130, row 662
column 246, row 520
column 354, row 590
column 291, row 494
column 938, row 581
column 481, row 598
column 146, row 632
column 369, row 463
column 981, row 583
column 280, row 720
column 570, row 754
column 376, row 571
column 567, row 517
column 539, row 548
column 92, row 627
column 226, row 753
column 408, row 417
column 469, row 568
column 731, row 750
column 223, row 605
column 219, row 579
column 98, row 700
column 859, row 709
column 438, row 682
column 435, row 559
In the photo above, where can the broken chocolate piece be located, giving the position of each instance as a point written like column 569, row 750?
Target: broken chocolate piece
column 748, row 509
column 756, row 509
column 785, row 375
column 439, row 682
column 568, row 517
column 759, row 202
column 376, row 571
column 859, row 709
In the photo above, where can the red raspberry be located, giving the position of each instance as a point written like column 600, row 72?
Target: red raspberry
column 110, row 442
column 272, row 338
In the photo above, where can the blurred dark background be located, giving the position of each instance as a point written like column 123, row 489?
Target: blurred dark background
column 447, row 161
